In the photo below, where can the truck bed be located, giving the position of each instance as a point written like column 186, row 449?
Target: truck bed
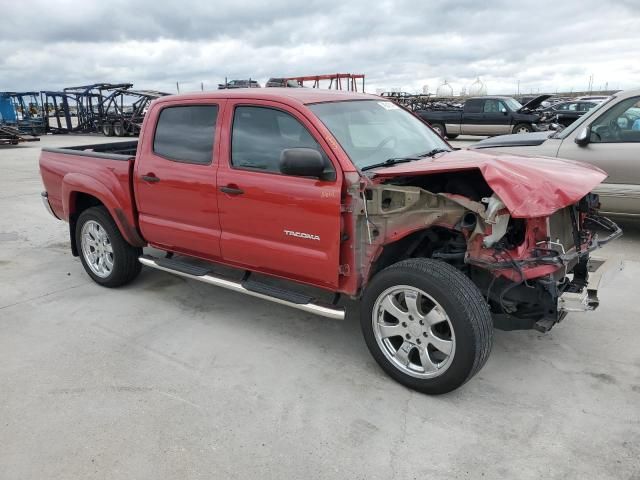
column 106, row 169
column 111, row 151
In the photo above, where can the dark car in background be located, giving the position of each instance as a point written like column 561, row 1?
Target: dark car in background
column 565, row 113
column 485, row 116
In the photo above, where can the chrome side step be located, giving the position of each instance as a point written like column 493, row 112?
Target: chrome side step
column 248, row 287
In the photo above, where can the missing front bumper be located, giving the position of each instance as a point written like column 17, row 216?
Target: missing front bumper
column 586, row 299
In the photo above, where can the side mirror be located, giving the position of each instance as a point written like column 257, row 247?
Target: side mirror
column 583, row 136
column 504, row 111
column 301, row 162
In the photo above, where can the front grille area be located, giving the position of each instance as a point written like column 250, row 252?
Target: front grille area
column 561, row 228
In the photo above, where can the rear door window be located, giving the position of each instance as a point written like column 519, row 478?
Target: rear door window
column 186, row 133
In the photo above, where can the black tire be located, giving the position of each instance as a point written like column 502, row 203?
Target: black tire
column 118, row 129
column 522, row 128
column 464, row 305
column 451, row 136
column 439, row 129
column 126, row 266
column 107, row 129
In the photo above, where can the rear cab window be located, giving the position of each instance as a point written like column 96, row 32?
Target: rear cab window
column 473, row 106
column 186, row 133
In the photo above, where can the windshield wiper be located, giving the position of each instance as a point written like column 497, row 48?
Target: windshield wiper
column 433, row 152
column 389, row 161
column 395, row 160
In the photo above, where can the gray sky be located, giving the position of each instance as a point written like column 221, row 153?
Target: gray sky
column 547, row 45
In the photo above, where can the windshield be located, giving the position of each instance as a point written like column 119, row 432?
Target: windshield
column 513, row 104
column 371, row 131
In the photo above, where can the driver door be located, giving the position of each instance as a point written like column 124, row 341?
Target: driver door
column 274, row 223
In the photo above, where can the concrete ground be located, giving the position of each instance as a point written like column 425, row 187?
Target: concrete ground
column 169, row 378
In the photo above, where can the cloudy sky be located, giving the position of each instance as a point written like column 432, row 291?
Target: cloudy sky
column 546, row 45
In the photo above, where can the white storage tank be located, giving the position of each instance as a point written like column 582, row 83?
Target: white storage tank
column 477, row 88
column 444, row 90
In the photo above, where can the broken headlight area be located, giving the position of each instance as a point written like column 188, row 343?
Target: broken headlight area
column 540, row 270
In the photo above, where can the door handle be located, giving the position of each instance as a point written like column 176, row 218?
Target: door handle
column 232, row 190
column 150, row 177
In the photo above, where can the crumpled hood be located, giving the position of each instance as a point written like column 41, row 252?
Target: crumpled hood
column 528, row 186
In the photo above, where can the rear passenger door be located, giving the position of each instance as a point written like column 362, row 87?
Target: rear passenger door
column 175, row 178
column 274, row 223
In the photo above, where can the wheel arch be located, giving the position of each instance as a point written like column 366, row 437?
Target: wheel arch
column 78, row 197
column 419, row 243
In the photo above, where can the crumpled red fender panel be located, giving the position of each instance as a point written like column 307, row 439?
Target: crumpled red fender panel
column 528, row 186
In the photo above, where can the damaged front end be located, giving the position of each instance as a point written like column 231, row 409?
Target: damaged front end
column 532, row 271
column 534, row 281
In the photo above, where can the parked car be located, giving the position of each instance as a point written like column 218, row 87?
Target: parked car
column 608, row 137
column 485, row 116
column 347, row 194
column 238, row 84
column 565, row 113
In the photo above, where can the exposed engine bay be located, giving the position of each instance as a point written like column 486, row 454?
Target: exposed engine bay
column 532, row 271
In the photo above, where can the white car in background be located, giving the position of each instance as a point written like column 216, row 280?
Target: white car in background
column 608, row 136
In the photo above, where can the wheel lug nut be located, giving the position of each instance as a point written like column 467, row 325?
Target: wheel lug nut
column 410, row 317
column 408, row 336
column 404, row 324
column 424, row 334
column 421, row 322
column 419, row 341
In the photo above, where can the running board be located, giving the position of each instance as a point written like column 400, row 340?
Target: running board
column 248, row 287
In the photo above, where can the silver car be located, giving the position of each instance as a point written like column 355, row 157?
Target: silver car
column 608, row 137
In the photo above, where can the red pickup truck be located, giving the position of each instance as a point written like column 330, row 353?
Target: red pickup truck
column 337, row 194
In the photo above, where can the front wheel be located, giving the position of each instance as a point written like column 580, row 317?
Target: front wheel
column 427, row 325
column 106, row 256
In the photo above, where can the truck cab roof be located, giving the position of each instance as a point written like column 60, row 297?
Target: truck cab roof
column 287, row 95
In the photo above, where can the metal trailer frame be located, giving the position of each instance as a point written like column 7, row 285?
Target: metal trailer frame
column 87, row 101
column 12, row 136
column 336, row 81
column 22, row 111
column 117, row 119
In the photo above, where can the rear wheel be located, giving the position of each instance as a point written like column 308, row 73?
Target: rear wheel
column 106, row 256
column 522, row 128
column 439, row 128
column 427, row 325
column 107, row 129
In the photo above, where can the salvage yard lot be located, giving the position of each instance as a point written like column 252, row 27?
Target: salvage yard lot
column 168, row 377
